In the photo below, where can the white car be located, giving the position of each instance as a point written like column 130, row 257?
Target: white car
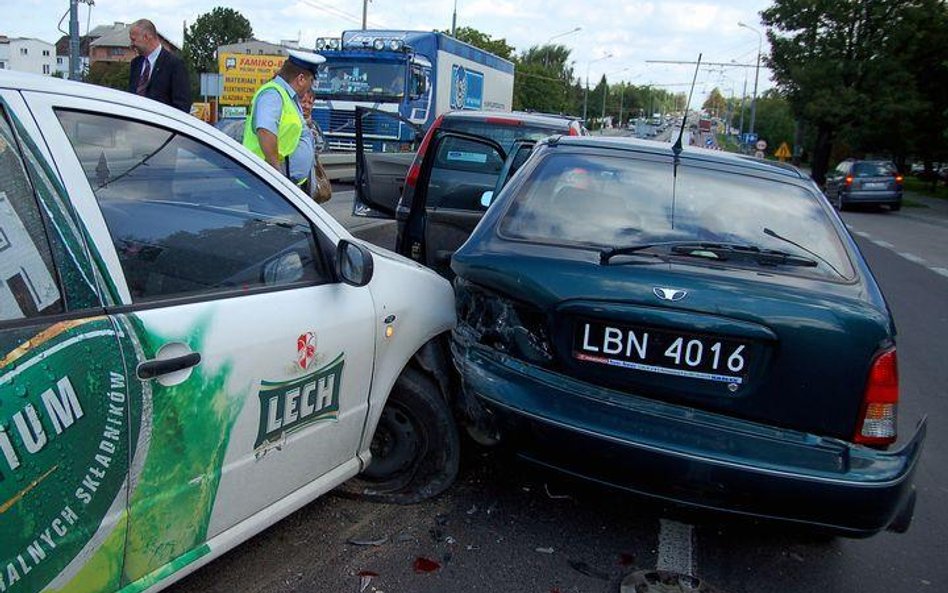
column 190, row 348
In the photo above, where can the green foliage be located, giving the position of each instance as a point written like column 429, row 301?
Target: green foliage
column 543, row 80
column 111, row 74
column 715, row 103
column 775, row 122
column 861, row 71
column 498, row 47
column 219, row 27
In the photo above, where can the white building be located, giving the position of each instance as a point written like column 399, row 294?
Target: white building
column 26, row 54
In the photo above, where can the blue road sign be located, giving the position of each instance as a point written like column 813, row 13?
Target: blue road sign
column 709, row 141
column 750, row 138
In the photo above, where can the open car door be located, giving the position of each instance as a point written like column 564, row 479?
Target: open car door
column 381, row 162
column 457, row 172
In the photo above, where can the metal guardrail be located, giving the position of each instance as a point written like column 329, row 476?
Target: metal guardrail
column 340, row 166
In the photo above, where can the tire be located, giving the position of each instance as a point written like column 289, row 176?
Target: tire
column 415, row 448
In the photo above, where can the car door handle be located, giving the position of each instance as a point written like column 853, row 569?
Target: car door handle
column 163, row 366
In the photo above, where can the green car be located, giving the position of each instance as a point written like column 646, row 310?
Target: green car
column 698, row 327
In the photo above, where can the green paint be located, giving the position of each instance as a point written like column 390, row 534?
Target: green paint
column 171, row 505
column 103, row 571
column 168, row 569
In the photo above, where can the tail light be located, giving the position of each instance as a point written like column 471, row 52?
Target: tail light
column 411, row 180
column 849, row 180
column 899, row 179
column 879, row 416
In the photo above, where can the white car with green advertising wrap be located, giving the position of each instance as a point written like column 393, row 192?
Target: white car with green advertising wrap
column 190, row 348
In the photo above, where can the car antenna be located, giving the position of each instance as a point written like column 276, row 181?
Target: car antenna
column 676, row 148
column 684, row 121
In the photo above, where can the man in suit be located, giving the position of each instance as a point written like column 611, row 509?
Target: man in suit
column 157, row 73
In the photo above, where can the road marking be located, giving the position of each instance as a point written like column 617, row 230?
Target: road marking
column 674, row 548
column 942, row 271
column 883, row 244
column 862, row 234
column 913, row 258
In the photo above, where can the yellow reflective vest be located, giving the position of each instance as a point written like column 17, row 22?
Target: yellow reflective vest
column 289, row 130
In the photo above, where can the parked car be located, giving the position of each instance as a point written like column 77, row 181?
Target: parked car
column 865, row 183
column 386, row 185
column 699, row 328
column 190, row 348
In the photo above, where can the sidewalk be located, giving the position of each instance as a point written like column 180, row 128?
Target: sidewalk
column 925, row 208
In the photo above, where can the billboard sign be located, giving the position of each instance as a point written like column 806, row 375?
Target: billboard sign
column 244, row 73
column 467, row 88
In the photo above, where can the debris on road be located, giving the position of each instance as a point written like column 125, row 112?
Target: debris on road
column 545, row 550
column 424, row 565
column 367, row 542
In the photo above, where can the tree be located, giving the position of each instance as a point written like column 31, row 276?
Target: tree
column 543, row 78
column 774, row 119
column 837, row 64
column 715, row 104
column 211, row 30
column 111, row 74
column 498, row 47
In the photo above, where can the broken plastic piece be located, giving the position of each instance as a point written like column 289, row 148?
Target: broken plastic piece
column 545, row 550
column 423, row 564
column 587, row 570
column 368, row 542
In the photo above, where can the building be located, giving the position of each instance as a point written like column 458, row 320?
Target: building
column 62, row 47
column 257, row 47
column 26, row 54
column 115, row 47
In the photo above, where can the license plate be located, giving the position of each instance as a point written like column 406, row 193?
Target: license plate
column 875, row 185
column 664, row 352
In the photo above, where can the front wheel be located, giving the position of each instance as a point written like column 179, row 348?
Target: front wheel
column 415, row 448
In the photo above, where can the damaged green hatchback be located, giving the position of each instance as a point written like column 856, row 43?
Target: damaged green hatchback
column 697, row 327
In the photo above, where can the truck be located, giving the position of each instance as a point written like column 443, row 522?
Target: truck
column 413, row 75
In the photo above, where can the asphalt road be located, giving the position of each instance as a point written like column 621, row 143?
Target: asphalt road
column 508, row 527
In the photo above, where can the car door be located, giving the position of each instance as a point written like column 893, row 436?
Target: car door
column 382, row 164
column 836, row 178
column 456, row 172
column 254, row 357
column 65, row 434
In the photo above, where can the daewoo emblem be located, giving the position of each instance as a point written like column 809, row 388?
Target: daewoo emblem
column 669, row 294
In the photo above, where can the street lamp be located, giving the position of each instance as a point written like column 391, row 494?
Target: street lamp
column 586, row 93
column 760, row 41
column 557, row 36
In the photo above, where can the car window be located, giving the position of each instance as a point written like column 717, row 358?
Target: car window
column 606, row 201
column 871, row 169
column 28, row 284
column 461, row 171
column 504, row 133
column 185, row 219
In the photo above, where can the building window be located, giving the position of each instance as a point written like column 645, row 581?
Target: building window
column 46, row 52
column 116, row 51
column 3, row 65
column 24, row 51
column 45, row 68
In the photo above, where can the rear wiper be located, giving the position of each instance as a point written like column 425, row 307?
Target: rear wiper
column 608, row 253
column 725, row 251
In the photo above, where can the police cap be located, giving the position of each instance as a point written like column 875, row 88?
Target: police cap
column 305, row 59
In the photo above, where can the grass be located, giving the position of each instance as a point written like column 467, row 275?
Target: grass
column 916, row 185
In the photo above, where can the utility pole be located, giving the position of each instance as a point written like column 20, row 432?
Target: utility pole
column 454, row 19
column 74, row 57
column 365, row 13
column 760, row 42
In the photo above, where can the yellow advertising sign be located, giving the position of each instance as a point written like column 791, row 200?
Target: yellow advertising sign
column 202, row 111
column 244, row 74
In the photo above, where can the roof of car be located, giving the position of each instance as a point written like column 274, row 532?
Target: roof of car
column 689, row 152
column 527, row 117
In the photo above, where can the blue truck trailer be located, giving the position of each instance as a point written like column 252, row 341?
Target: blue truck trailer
column 414, row 75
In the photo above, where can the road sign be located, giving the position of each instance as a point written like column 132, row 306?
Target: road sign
column 709, row 141
column 761, row 145
column 783, row 152
column 750, row 138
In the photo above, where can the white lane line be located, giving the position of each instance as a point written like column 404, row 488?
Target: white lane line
column 942, row 271
column 883, row 244
column 862, row 234
column 674, row 548
column 913, row 258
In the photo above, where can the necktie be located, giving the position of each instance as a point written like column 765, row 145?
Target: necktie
column 143, row 79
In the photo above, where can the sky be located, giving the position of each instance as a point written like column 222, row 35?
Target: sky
column 633, row 32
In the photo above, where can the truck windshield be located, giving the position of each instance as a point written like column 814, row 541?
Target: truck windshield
column 342, row 78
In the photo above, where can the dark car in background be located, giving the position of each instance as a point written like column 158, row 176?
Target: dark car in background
column 445, row 206
column 698, row 328
column 862, row 182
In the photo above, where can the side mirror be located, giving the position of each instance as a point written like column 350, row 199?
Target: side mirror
column 486, row 198
column 353, row 263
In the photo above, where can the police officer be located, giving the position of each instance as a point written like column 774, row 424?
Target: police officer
column 276, row 129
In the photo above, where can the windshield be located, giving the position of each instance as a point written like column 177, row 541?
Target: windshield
column 873, row 169
column 604, row 202
column 504, row 133
column 348, row 78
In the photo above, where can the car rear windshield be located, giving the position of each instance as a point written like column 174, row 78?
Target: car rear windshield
column 869, row 169
column 503, row 132
column 605, row 201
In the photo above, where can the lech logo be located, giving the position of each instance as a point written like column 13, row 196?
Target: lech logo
column 669, row 294
column 306, row 350
column 287, row 406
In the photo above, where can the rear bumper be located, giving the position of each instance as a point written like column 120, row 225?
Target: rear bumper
column 690, row 456
column 871, row 197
